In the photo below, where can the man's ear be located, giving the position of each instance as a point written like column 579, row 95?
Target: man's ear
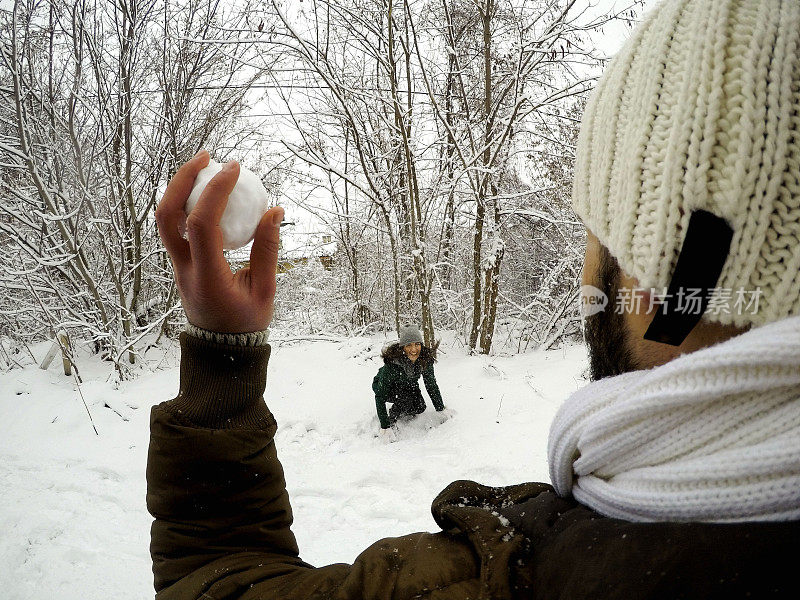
column 591, row 260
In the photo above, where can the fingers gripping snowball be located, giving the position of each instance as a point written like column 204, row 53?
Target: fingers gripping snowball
column 247, row 203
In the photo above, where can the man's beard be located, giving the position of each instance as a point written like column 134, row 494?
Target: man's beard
column 605, row 332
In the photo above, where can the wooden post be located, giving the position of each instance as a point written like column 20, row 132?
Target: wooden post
column 60, row 342
column 62, row 336
column 51, row 354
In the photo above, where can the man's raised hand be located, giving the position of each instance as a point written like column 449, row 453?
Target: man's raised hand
column 213, row 297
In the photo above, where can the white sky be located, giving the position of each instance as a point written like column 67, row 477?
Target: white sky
column 615, row 34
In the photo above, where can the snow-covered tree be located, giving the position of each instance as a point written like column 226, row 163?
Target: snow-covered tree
column 424, row 111
column 100, row 103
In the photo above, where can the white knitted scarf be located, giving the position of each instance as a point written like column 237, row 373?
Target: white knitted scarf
column 711, row 436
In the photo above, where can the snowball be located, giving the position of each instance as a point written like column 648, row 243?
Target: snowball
column 247, row 203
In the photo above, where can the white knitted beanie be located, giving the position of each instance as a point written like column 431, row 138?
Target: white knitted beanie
column 701, row 111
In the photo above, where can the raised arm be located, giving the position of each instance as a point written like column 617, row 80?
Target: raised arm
column 215, row 486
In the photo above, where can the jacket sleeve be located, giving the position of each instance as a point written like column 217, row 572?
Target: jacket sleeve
column 215, row 485
column 433, row 389
column 380, row 387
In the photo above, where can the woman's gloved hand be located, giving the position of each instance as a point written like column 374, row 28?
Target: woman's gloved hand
column 389, row 435
column 445, row 414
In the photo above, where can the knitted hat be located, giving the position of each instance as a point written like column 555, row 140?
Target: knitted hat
column 410, row 334
column 700, row 111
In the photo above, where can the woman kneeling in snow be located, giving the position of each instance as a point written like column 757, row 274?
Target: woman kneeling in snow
column 397, row 381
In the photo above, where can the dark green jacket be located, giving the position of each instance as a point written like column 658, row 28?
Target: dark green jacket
column 397, row 381
column 222, row 528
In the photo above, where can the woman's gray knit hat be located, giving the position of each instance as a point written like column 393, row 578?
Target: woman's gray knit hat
column 700, row 111
column 410, row 334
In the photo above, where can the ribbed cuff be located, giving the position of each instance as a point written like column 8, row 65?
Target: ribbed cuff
column 254, row 338
column 222, row 385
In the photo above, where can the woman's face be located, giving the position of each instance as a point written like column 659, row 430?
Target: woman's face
column 412, row 351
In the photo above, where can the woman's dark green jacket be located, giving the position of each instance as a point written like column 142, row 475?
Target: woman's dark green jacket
column 397, row 382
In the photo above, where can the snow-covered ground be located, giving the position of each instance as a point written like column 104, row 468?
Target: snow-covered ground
column 73, row 522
